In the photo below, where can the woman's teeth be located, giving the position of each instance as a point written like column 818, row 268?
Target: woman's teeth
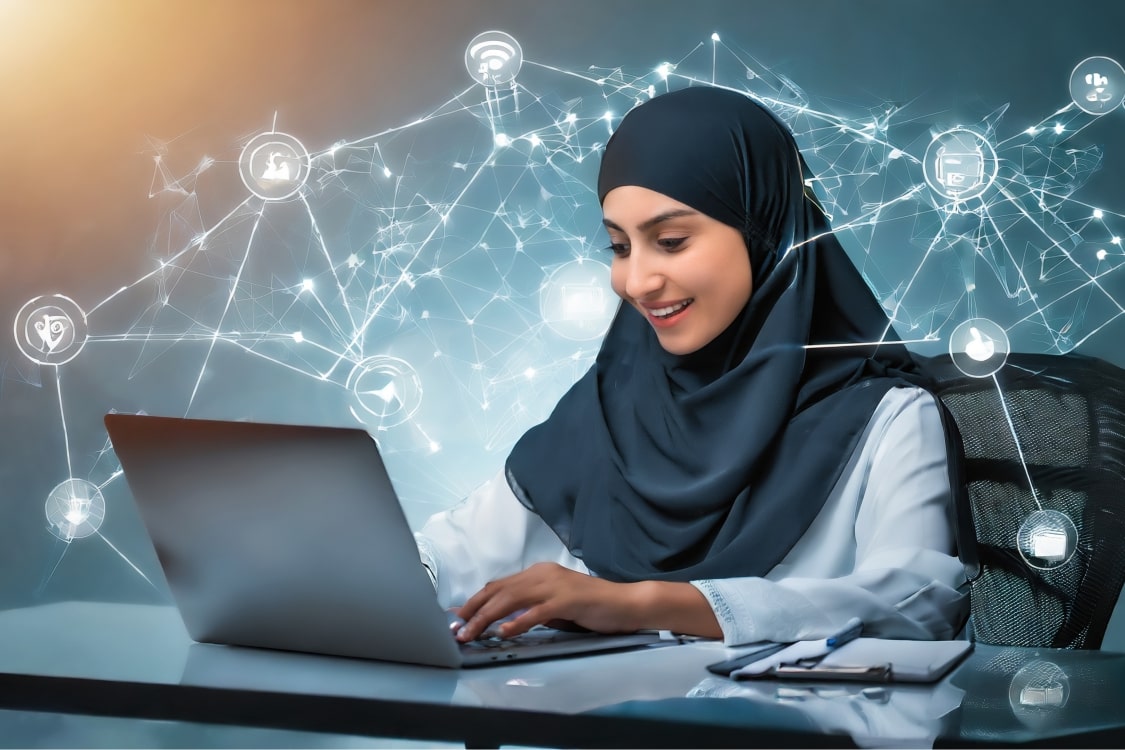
column 664, row 312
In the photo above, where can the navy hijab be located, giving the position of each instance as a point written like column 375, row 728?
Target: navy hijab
column 713, row 464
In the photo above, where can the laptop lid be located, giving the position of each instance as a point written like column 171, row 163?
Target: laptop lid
column 282, row 536
column 292, row 537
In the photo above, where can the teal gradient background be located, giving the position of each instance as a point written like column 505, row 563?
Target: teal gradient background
column 94, row 92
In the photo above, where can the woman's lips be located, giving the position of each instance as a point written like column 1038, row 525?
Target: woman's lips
column 664, row 315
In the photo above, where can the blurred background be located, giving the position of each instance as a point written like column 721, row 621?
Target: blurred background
column 380, row 213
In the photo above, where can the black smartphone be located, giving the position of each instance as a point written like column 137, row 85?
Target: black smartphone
column 761, row 651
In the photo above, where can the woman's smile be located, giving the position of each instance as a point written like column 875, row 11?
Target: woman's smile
column 664, row 315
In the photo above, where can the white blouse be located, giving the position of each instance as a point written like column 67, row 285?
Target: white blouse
column 880, row 549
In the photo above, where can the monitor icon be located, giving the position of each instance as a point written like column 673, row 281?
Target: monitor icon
column 959, row 171
column 582, row 303
column 959, row 164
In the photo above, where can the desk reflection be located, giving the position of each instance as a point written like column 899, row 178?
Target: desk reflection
column 996, row 696
column 1021, row 694
column 907, row 716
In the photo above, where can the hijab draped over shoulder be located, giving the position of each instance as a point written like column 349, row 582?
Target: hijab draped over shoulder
column 713, row 464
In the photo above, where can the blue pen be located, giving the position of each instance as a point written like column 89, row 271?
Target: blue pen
column 849, row 632
column 802, row 652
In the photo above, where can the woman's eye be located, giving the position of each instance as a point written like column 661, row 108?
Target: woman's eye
column 619, row 248
column 670, row 243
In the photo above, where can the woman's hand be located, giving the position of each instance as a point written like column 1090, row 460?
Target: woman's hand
column 548, row 592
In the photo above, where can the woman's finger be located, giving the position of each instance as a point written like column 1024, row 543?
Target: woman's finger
column 501, row 602
column 524, row 621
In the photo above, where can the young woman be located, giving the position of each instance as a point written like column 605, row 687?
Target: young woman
column 745, row 460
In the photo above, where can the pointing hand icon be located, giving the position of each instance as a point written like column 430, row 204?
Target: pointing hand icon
column 980, row 348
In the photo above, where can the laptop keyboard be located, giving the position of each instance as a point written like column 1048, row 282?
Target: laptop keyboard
column 535, row 636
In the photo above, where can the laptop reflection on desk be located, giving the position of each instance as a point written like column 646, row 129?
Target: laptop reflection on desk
column 291, row 537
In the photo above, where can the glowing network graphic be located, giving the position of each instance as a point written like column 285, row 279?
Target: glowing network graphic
column 446, row 279
column 494, row 58
column 274, row 166
column 50, row 330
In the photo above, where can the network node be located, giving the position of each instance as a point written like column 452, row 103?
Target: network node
column 577, row 302
column 50, row 330
column 959, row 164
column 387, row 389
column 75, row 509
column 1097, row 85
column 274, row 166
column 1047, row 539
column 493, row 58
column 979, row 347
column 1038, row 691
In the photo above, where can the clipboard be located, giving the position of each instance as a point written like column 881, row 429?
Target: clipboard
column 876, row 660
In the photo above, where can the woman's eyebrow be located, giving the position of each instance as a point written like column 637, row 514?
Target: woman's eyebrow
column 650, row 223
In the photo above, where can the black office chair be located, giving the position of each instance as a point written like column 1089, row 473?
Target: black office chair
column 1068, row 412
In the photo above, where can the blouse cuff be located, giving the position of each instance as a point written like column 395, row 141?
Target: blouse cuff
column 754, row 609
column 738, row 627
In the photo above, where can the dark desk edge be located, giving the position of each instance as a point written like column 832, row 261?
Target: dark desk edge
column 474, row 726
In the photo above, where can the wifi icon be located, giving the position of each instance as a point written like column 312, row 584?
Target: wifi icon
column 493, row 58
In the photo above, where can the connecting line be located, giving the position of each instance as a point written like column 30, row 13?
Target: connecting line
column 1019, row 448
column 328, row 260
column 49, row 576
column 805, row 110
column 196, row 242
column 1041, row 125
column 918, row 270
column 1092, row 279
column 374, row 313
column 868, row 343
column 714, row 61
column 865, row 219
column 226, row 308
column 389, row 131
column 553, row 69
column 62, row 418
column 127, row 560
column 114, row 475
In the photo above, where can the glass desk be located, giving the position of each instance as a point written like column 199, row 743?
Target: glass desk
column 137, row 661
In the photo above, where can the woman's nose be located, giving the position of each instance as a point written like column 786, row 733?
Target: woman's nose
column 643, row 278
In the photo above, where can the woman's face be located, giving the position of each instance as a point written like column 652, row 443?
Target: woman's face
column 687, row 273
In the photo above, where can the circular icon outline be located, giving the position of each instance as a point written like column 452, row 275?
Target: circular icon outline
column 1037, row 692
column 944, row 169
column 489, row 47
column 405, row 386
column 71, row 333
column 979, row 347
column 75, row 509
column 1075, row 76
column 248, row 158
column 552, row 298
column 1047, row 539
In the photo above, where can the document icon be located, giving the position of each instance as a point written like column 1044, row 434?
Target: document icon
column 1049, row 544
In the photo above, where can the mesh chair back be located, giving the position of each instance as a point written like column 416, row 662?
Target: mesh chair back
column 1068, row 414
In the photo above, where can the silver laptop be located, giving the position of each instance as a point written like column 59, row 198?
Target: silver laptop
column 292, row 537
